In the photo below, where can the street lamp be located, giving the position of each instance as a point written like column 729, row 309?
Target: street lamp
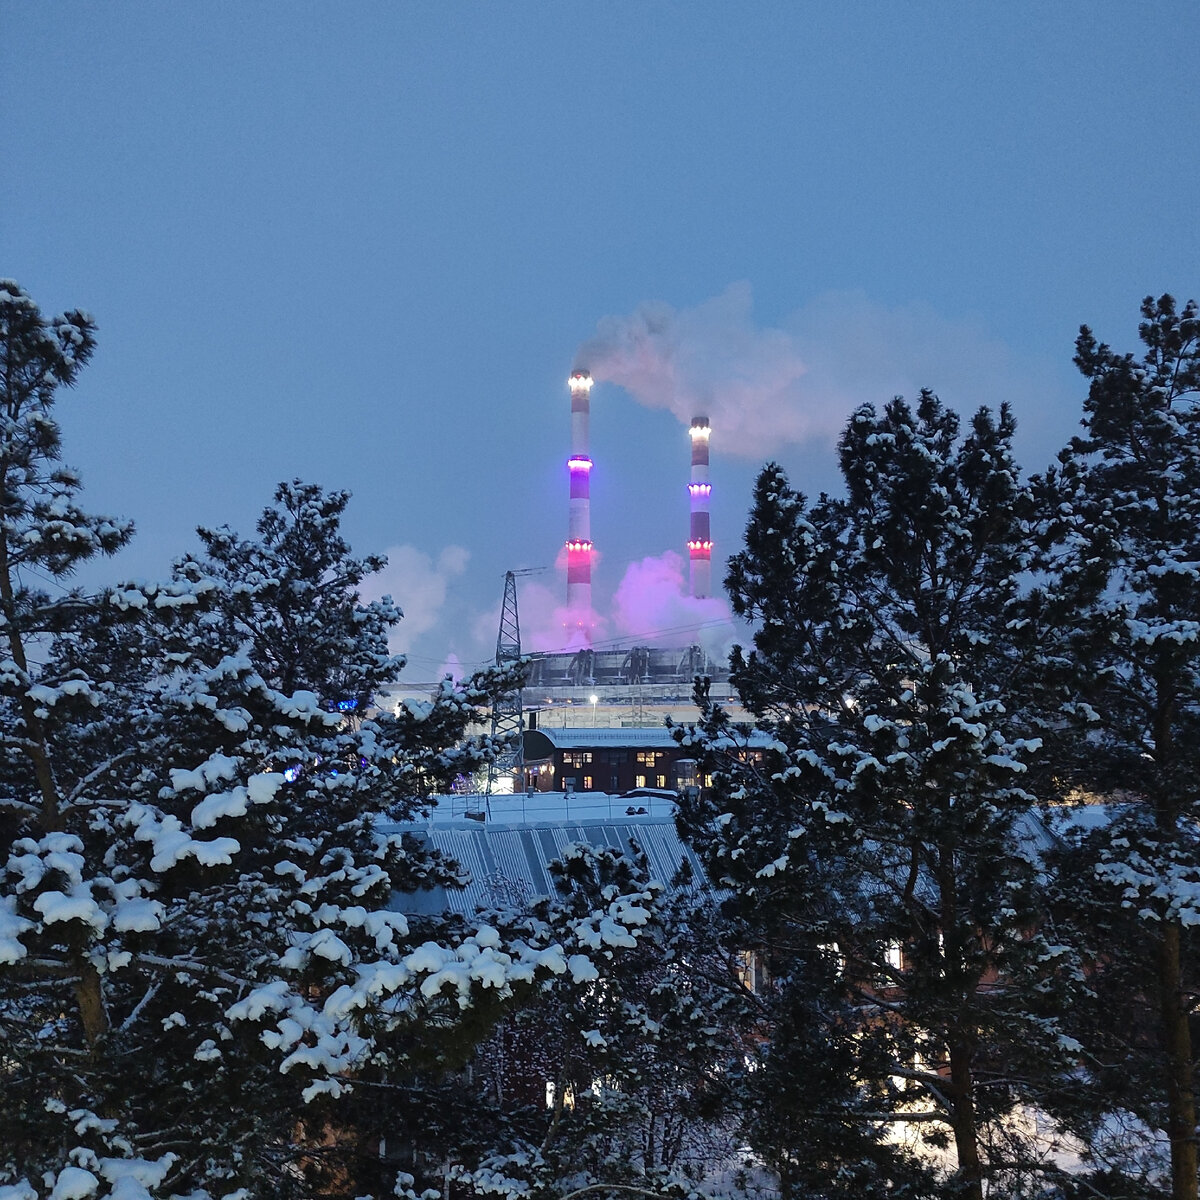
column 593, row 699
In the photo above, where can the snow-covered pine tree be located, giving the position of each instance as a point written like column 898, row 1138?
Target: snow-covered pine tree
column 876, row 833
column 639, row 1041
column 1124, row 535
column 286, row 598
column 199, row 953
column 44, row 536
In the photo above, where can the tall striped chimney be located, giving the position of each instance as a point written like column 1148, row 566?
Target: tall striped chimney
column 579, row 527
column 700, row 532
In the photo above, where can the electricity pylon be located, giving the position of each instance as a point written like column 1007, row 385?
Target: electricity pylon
column 508, row 720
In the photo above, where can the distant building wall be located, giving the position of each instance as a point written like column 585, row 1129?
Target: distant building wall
column 615, row 761
column 646, row 666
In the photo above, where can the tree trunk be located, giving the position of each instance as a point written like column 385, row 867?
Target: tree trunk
column 959, row 1043
column 966, row 1133
column 34, row 733
column 89, row 991
column 1177, row 1037
column 1177, row 1040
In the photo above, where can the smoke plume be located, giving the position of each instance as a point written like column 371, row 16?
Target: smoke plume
column 452, row 668
column 652, row 606
column 710, row 360
column 548, row 625
column 418, row 584
column 766, row 387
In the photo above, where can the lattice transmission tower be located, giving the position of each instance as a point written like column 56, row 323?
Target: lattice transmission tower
column 508, row 720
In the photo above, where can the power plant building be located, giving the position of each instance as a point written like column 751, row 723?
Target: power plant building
column 592, row 718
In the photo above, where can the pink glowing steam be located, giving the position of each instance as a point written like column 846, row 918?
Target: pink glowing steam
column 652, row 605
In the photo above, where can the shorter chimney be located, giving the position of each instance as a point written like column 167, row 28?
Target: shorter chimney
column 700, row 532
column 579, row 523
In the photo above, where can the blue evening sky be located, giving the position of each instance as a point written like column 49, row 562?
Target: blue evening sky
column 362, row 243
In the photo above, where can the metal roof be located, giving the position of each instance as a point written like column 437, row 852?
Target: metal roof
column 582, row 737
column 509, row 864
column 578, row 737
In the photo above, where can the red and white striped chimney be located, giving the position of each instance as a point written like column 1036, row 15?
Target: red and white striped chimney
column 579, row 527
column 700, row 532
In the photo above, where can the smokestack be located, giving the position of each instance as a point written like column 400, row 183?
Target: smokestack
column 579, row 527
column 700, row 532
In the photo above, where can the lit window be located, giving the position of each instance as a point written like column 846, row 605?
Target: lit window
column 891, row 963
column 568, row 1097
column 833, row 951
column 748, row 970
column 639, row 780
column 587, row 783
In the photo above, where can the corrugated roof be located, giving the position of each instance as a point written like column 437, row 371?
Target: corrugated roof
column 581, row 737
column 539, row 808
column 510, row 863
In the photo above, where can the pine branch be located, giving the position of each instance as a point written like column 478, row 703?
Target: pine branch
column 189, row 964
column 20, row 805
column 96, row 773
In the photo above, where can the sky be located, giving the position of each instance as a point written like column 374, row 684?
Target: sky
column 365, row 244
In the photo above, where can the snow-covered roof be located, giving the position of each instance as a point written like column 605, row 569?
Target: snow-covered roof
column 576, row 737
column 582, row 737
column 508, row 853
column 509, row 863
column 538, row 808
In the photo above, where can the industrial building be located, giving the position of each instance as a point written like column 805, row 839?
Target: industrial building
column 615, row 761
column 593, row 718
column 641, row 673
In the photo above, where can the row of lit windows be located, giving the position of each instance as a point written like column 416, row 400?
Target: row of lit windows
column 583, row 758
column 588, row 782
column 659, row 781
column 642, row 781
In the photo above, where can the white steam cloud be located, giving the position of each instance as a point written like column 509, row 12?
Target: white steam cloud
column 417, row 583
column 651, row 606
column 767, row 387
column 710, row 360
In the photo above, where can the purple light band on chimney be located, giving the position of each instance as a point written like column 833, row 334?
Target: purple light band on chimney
column 579, row 523
column 699, row 529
